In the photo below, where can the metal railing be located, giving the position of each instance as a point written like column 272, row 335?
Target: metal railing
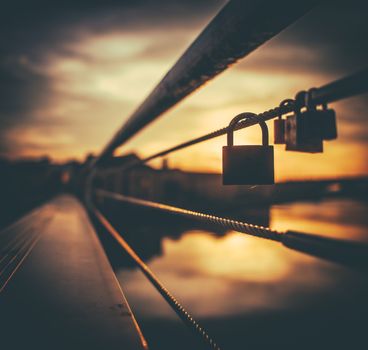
column 238, row 29
column 354, row 255
column 351, row 85
column 172, row 301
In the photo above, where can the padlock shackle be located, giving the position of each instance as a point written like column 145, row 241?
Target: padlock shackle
column 308, row 98
column 288, row 101
column 241, row 116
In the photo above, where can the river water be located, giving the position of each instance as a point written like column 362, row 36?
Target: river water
column 252, row 293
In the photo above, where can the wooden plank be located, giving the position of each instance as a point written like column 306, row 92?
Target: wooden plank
column 64, row 295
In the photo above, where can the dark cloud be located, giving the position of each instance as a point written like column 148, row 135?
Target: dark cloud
column 21, row 89
column 31, row 29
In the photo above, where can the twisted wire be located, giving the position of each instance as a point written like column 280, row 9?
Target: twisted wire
column 172, row 301
column 352, row 85
column 244, row 227
column 350, row 254
column 267, row 115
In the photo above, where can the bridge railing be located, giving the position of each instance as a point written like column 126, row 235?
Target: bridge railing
column 238, row 29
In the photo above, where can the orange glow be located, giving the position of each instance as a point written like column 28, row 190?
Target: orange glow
column 238, row 273
column 65, row 177
column 234, row 256
column 109, row 75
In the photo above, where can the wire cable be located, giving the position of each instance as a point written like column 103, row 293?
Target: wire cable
column 352, row 85
column 347, row 253
column 230, row 224
column 172, row 301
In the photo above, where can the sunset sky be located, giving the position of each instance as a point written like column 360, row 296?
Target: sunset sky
column 72, row 72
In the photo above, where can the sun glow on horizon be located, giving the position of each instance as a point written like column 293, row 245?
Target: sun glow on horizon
column 102, row 78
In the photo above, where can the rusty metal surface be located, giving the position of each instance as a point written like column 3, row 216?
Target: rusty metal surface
column 238, row 29
column 64, row 295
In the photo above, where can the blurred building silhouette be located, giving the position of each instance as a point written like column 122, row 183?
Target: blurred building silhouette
column 25, row 184
column 198, row 190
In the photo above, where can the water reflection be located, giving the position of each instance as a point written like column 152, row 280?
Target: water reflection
column 212, row 275
column 235, row 283
column 344, row 218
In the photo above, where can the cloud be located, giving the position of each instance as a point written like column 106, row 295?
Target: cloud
column 80, row 68
column 21, row 89
column 47, row 47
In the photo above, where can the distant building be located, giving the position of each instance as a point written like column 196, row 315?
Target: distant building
column 174, row 186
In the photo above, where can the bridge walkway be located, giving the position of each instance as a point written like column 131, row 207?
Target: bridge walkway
column 57, row 288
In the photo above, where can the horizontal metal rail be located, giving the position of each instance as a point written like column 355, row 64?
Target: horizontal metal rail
column 172, row 301
column 238, row 29
column 348, row 253
column 229, row 224
column 346, row 87
column 351, row 85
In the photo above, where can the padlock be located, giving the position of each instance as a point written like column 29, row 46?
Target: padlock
column 248, row 164
column 328, row 123
column 325, row 118
column 302, row 132
column 279, row 131
column 279, row 125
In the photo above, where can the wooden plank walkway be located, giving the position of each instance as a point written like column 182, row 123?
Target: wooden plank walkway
column 57, row 288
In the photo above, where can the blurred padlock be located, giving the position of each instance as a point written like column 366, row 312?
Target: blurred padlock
column 248, row 164
column 328, row 123
column 304, row 129
column 325, row 118
column 279, row 131
column 279, row 125
column 302, row 132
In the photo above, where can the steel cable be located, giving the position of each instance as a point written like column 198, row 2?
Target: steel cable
column 268, row 115
column 172, row 301
column 354, row 84
column 254, row 230
column 347, row 253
